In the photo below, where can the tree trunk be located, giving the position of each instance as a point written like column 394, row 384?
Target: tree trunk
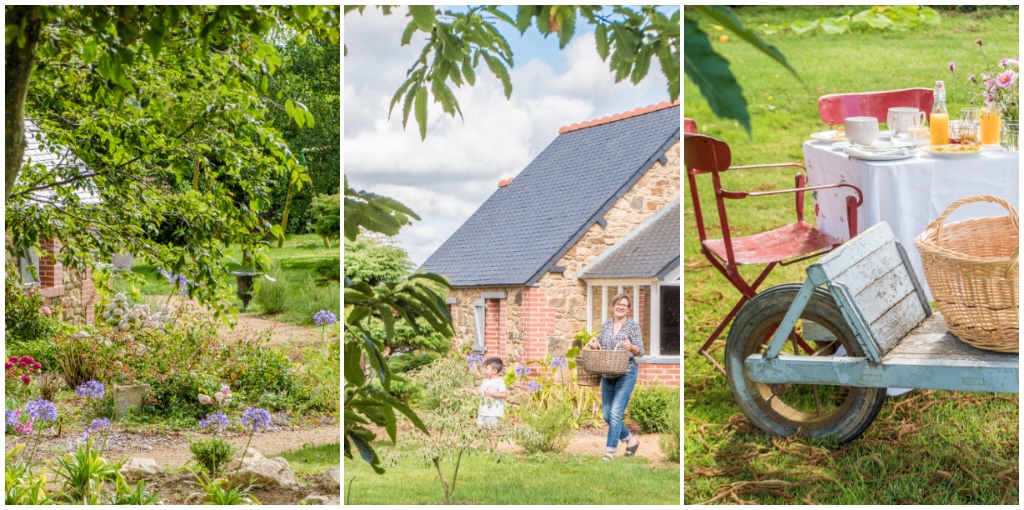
column 20, row 60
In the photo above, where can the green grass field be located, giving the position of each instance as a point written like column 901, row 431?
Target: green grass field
column 506, row 479
column 299, row 259
column 926, row 446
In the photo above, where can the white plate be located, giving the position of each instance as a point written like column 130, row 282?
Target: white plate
column 826, row 137
column 930, row 149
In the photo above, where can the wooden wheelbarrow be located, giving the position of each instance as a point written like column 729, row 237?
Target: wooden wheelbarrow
column 817, row 358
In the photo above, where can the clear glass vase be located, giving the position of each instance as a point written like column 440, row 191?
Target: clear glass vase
column 1008, row 138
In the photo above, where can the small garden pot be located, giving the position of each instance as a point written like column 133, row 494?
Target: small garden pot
column 127, row 397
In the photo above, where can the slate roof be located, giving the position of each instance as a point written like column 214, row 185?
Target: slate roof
column 522, row 230
column 649, row 251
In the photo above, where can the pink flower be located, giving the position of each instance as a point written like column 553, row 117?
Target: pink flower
column 8, row 365
column 978, row 42
column 26, row 379
column 952, row 65
column 219, row 397
column 46, row 310
column 972, row 79
column 204, row 399
column 1004, row 80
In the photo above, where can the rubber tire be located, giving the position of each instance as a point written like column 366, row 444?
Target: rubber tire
column 745, row 336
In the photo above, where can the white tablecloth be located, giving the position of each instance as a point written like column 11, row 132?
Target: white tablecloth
column 909, row 193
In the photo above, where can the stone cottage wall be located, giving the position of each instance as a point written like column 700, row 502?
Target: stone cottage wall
column 540, row 321
column 567, row 294
column 71, row 289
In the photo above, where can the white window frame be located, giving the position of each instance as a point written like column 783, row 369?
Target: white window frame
column 654, row 306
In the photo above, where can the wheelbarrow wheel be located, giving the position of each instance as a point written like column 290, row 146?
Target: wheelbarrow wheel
column 824, row 411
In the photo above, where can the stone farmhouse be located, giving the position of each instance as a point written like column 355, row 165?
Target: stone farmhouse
column 71, row 289
column 595, row 214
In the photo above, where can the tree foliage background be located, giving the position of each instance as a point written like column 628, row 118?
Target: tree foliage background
column 161, row 112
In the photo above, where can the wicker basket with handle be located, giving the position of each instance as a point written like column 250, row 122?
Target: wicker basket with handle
column 971, row 267
column 584, row 378
column 605, row 362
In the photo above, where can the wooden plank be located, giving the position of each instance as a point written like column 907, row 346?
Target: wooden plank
column 896, row 323
column 835, row 262
column 884, row 294
column 938, row 374
column 868, row 270
column 932, row 340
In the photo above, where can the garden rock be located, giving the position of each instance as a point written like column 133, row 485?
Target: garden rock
column 314, row 499
column 139, row 467
column 333, row 478
column 273, row 472
column 127, row 397
column 251, row 456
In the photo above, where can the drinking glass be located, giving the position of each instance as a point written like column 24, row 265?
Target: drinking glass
column 971, row 120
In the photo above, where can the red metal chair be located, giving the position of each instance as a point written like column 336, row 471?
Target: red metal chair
column 780, row 246
column 689, row 125
column 835, row 108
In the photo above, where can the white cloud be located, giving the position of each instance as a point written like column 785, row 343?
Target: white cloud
column 446, row 178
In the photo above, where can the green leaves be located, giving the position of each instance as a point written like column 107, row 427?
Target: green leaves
column 882, row 17
column 422, row 16
column 725, row 17
column 364, row 210
column 456, row 43
column 712, row 75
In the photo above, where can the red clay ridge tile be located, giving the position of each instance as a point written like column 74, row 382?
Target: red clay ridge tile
column 504, row 182
column 618, row 116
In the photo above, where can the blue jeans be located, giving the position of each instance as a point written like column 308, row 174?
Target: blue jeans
column 615, row 393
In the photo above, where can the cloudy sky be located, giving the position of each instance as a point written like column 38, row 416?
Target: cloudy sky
column 445, row 178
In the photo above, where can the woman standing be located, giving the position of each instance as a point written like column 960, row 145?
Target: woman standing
column 619, row 333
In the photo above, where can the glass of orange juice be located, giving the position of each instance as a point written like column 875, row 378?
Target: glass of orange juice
column 990, row 126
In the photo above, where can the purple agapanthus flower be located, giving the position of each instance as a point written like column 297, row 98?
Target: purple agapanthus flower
column 324, row 318
column 475, row 359
column 522, row 370
column 90, row 389
column 559, row 362
column 11, row 417
column 256, row 418
column 534, row 386
column 41, row 410
column 99, row 424
column 214, row 420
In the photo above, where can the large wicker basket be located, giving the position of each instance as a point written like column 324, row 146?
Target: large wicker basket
column 605, row 362
column 971, row 267
column 584, row 378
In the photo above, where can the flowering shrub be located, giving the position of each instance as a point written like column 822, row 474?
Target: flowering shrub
column 121, row 313
column 21, row 368
column 13, row 423
column 27, row 317
column 548, row 387
column 998, row 85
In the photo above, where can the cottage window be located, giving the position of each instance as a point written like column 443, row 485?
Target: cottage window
column 479, row 326
column 28, row 266
column 655, row 308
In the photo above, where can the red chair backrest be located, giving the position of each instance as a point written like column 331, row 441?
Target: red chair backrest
column 689, row 126
column 704, row 154
column 835, row 108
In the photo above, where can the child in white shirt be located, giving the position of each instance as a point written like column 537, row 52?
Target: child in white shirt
column 492, row 393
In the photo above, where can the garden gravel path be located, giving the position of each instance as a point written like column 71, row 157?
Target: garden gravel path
column 171, row 450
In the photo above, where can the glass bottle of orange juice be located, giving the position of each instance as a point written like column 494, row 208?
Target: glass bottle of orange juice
column 939, row 122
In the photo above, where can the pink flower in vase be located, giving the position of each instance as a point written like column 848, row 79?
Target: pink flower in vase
column 1004, row 80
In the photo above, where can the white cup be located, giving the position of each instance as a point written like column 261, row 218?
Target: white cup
column 861, row 130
